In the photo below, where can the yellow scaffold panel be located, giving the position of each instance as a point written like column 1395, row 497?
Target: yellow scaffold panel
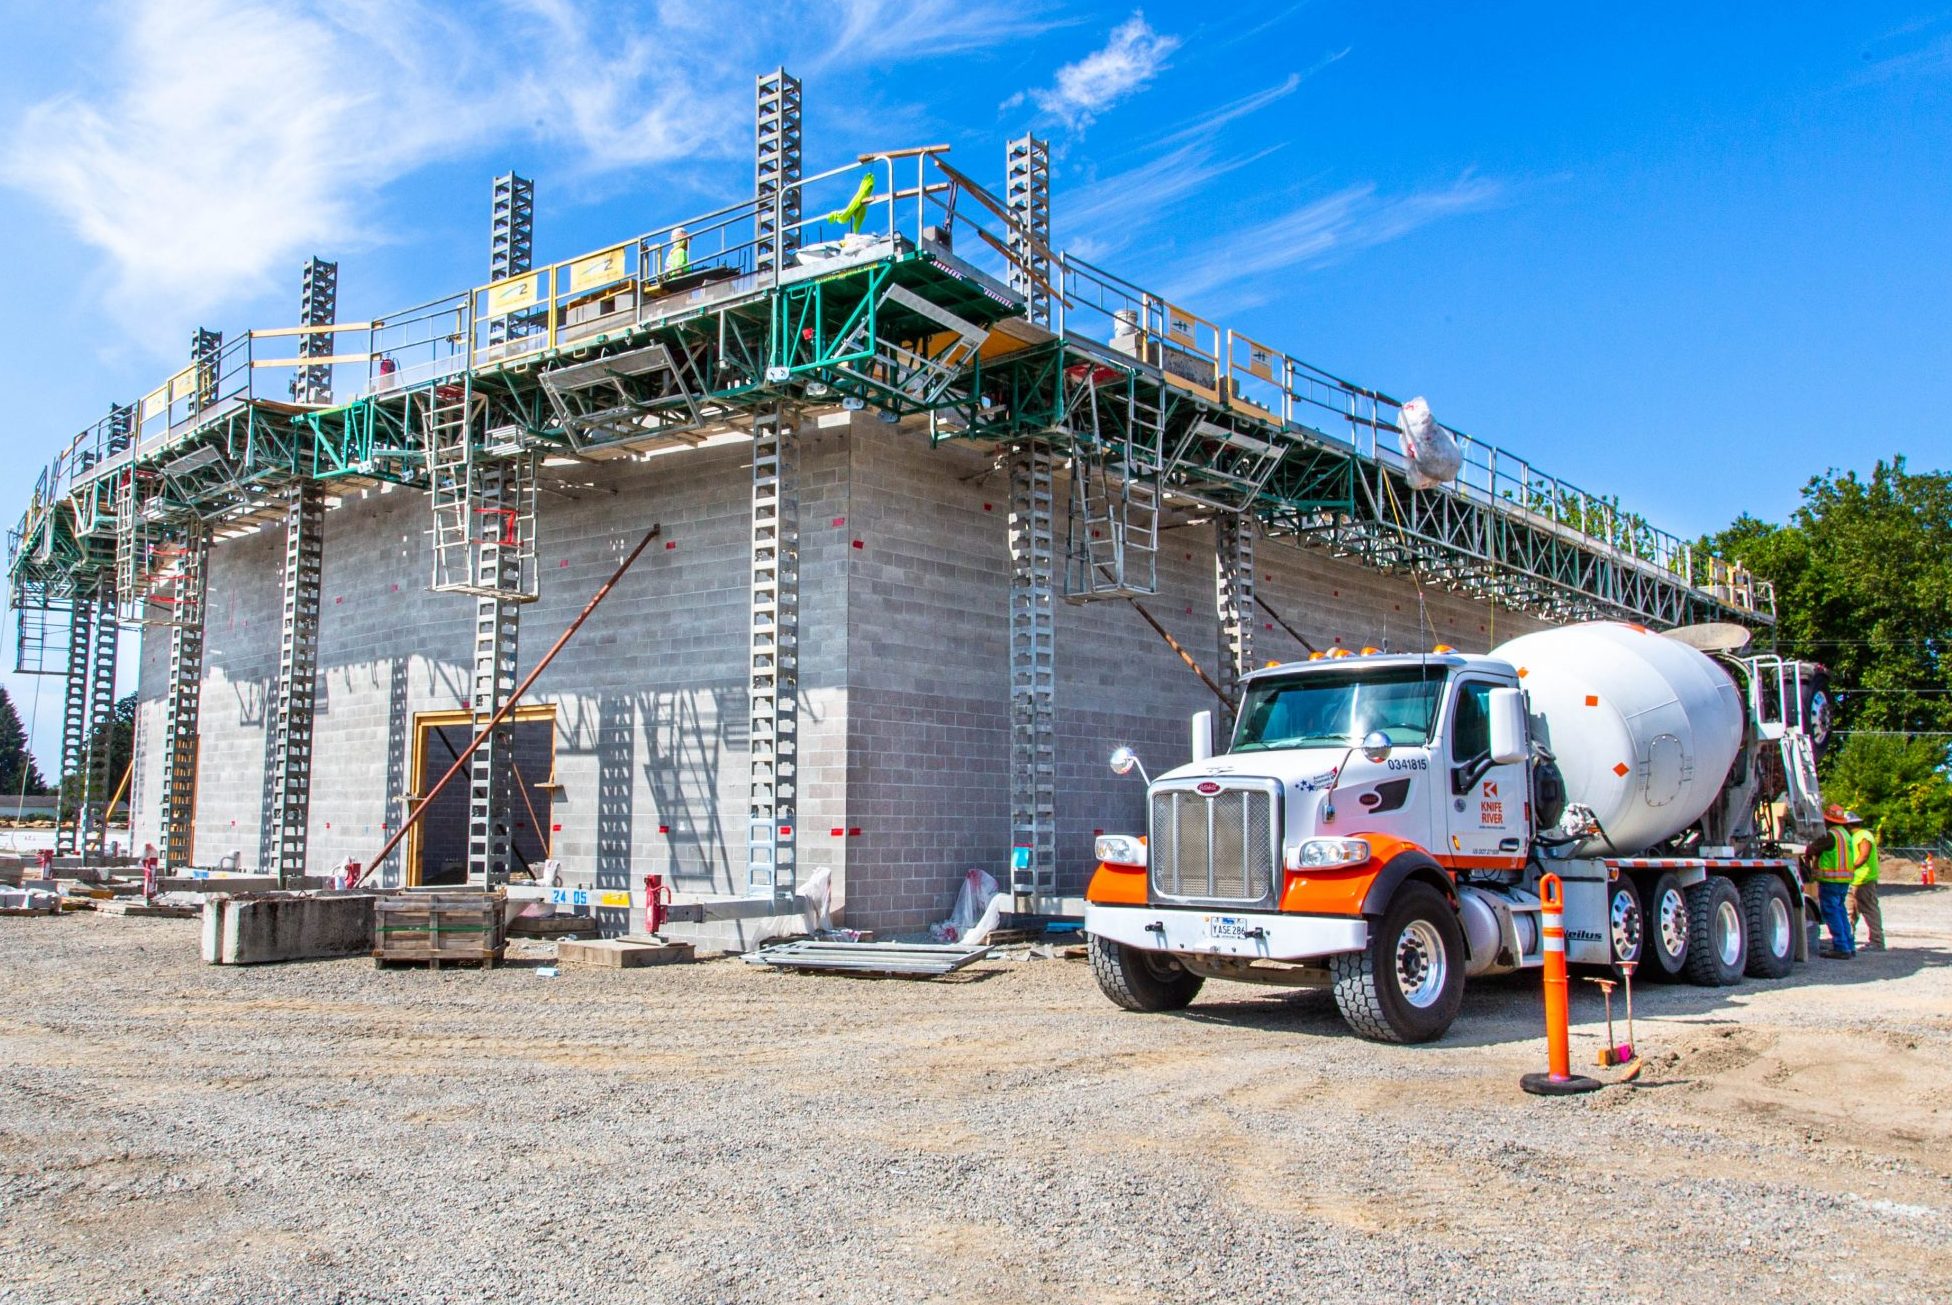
column 599, row 269
column 514, row 294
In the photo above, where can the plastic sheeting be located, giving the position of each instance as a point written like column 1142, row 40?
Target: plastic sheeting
column 1429, row 449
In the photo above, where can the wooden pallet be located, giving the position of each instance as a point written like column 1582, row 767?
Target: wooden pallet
column 436, row 927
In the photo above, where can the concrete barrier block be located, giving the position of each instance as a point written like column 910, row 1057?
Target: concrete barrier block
column 259, row 928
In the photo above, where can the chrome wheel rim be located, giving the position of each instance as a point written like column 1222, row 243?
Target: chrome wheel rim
column 1421, row 963
column 1729, row 944
column 1779, row 935
column 1672, row 921
column 1625, row 920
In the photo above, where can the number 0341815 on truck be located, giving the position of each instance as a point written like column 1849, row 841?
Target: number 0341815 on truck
column 1378, row 824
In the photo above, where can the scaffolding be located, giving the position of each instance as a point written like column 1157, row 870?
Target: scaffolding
column 943, row 306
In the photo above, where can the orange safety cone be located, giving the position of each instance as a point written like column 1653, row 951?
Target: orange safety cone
column 1558, row 1080
column 1928, row 873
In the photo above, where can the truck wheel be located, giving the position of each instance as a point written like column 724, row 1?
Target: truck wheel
column 1408, row 983
column 1141, row 980
column 1718, row 948
column 1664, row 926
column 1625, row 924
column 1771, row 919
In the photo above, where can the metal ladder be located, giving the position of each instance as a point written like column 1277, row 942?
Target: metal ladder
column 98, row 748
column 184, row 706
column 772, row 861
column 297, row 681
column 1033, row 673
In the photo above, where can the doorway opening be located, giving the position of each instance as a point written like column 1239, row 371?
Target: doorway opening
column 437, row 848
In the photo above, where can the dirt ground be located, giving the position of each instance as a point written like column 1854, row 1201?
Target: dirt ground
column 328, row 1132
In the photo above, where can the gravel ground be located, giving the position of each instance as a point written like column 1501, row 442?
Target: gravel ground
column 328, row 1132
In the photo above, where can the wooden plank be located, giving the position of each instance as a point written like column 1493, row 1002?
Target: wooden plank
column 617, row 954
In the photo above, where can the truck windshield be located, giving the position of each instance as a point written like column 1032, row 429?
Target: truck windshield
column 1338, row 708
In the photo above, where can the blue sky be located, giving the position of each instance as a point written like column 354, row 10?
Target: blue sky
column 1679, row 253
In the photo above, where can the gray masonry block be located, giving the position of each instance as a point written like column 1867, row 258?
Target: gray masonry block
column 904, row 713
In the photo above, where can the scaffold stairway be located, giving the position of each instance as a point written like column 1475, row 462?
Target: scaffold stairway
column 774, row 683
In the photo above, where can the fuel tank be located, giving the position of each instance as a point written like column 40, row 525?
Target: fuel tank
column 1644, row 727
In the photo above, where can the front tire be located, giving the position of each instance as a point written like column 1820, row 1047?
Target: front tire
column 1718, row 949
column 1408, row 983
column 1664, row 926
column 1141, row 980
column 1772, row 919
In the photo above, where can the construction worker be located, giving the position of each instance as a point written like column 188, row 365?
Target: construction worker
column 856, row 211
column 1833, row 875
column 1863, row 888
column 679, row 260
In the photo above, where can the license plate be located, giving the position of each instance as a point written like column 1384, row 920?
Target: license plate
column 1226, row 926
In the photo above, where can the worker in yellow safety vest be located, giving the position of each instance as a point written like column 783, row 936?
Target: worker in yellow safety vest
column 1863, row 888
column 678, row 261
column 856, row 211
column 1834, row 870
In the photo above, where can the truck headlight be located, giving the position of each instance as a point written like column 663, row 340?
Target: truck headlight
column 1120, row 849
column 1328, row 853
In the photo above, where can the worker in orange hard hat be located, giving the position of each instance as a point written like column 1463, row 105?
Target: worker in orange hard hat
column 1834, row 858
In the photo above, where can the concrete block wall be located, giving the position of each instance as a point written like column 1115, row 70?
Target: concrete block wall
column 905, row 724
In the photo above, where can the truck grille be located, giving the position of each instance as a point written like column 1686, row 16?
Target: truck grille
column 1214, row 848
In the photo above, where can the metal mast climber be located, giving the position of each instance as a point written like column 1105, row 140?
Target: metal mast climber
column 318, row 305
column 511, row 243
column 1233, row 593
column 776, row 169
column 774, row 686
column 1027, row 190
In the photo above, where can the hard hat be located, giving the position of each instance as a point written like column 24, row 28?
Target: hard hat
column 1836, row 815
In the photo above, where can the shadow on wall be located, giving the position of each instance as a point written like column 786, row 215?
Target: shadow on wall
column 682, row 771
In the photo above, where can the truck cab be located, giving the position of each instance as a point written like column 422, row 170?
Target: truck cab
column 1377, row 824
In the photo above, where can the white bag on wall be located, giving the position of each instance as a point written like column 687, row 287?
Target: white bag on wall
column 1429, row 449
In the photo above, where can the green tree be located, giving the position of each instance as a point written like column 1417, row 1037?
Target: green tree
column 18, row 771
column 1898, row 785
column 1863, row 577
column 120, row 729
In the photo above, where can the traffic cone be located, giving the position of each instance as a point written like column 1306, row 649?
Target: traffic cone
column 1558, row 1080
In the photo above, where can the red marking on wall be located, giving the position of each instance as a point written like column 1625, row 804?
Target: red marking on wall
column 670, row 544
column 664, row 829
column 555, row 829
column 859, row 544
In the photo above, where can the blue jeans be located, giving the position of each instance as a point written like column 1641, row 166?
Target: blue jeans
column 1834, row 902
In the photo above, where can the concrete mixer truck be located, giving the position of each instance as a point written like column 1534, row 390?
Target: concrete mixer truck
column 1379, row 822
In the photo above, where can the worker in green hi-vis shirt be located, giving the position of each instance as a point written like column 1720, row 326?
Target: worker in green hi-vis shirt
column 1863, row 887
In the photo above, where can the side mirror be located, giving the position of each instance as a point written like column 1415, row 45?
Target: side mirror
column 1202, row 735
column 1376, row 745
column 1124, row 761
column 1510, row 730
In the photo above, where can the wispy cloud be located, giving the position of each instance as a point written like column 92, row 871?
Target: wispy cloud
column 1133, row 56
column 1353, row 218
column 234, row 136
column 1109, row 210
column 878, row 31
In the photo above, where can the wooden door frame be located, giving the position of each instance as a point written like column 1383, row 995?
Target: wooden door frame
column 418, row 737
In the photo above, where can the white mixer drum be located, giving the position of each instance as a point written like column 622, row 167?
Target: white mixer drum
column 1645, row 728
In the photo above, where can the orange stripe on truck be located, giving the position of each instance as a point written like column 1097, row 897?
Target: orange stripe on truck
column 1342, row 891
column 1117, row 885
